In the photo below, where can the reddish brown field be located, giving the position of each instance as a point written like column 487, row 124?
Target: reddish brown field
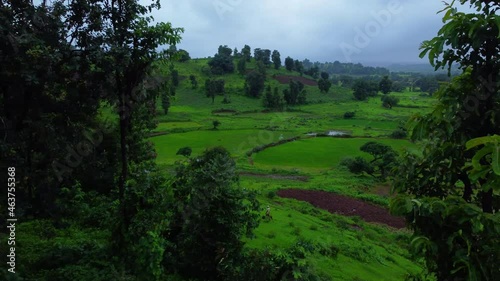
column 285, row 79
column 344, row 205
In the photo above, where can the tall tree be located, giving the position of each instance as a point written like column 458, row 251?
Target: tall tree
column 212, row 215
column 449, row 191
column 289, row 63
column 246, row 52
column 242, row 66
column 385, row 85
column 276, row 59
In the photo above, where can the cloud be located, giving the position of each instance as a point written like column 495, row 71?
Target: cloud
column 313, row 29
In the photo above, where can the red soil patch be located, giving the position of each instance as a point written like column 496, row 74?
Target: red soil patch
column 276, row 176
column 285, row 79
column 344, row 205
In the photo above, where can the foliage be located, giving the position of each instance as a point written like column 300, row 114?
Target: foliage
column 448, row 192
column 214, row 87
column 262, row 55
column 384, row 159
column 276, row 59
column 222, row 62
column 362, row 89
column 254, row 84
column 242, row 66
column 184, row 151
column 385, row 85
column 295, row 94
column 165, row 101
column 389, row 101
column 349, row 114
column 289, row 64
column 269, row 265
column 194, row 82
column 212, row 213
column 216, row 123
column 246, row 53
column 324, row 85
column 297, row 66
column 399, row 133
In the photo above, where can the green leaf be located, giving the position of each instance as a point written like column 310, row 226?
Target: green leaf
column 478, row 156
column 482, row 140
column 495, row 159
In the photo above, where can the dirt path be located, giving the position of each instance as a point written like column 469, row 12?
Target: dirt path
column 344, row 205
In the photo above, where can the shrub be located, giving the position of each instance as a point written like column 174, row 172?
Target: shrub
column 271, row 194
column 399, row 134
column 349, row 114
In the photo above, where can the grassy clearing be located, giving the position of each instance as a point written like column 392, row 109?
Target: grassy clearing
column 315, row 154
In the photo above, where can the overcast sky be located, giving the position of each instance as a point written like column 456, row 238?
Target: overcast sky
column 373, row 32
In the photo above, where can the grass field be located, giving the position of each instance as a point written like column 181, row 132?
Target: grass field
column 366, row 251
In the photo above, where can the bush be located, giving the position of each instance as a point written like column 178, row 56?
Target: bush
column 399, row 134
column 271, row 194
column 349, row 114
column 389, row 101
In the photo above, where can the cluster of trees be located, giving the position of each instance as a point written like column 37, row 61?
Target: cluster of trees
column 380, row 166
column 294, row 65
column 180, row 55
column 214, row 87
column 338, row 68
column 222, row 62
column 294, row 95
column 362, row 89
column 273, row 100
column 324, row 83
column 255, row 81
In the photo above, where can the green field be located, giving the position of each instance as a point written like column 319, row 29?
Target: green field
column 366, row 251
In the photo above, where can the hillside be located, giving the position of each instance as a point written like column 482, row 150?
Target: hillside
column 366, row 251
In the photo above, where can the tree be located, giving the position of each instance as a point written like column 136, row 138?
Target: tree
column 214, row 87
column 216, row 123
column 428, row 84
column 325, row 75
column 194, row 82
column 242, row 66
column 385, row 85
column 246, row 53
column 224, row 51
column 289, row 64
column 236, row 54
column 313, row 72
column 397, row 87
column 298, row 67
column 222, row 62
column 324, row 85
column 165, row 101
column 267, row 100
column 262, row 55
column 449, row 190
column 183, row 55
column 276, row 59
column 254, row 84
column 389, row 101
column 384, row 159
column 184, row 151
column 360, row 89
column 175, row 77
column 212, row 214
column 295, row 94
